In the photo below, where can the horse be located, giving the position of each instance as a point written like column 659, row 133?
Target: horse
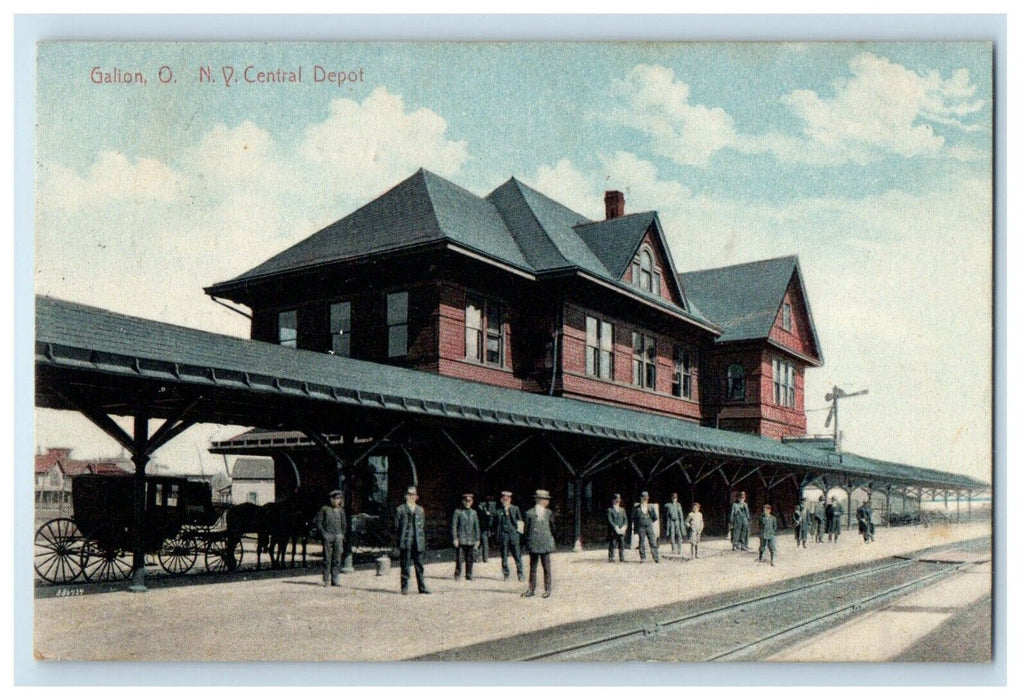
column 243, row 519
column 289, row 520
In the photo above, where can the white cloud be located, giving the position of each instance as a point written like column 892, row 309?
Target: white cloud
column 657, row 104
column 881, row 108
column 114, row 234
column 363, row 146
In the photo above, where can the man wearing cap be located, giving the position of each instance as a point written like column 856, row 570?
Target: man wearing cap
column 410, row 540
column 617, row 525
column 539, row 537
column 509, row 526
column 739, row 523
column 466, row 533
column 675, row 519
column 768, row 525
column 331, row 524
column 644, row 519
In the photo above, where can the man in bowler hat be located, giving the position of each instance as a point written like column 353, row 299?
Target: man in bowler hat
column 509, row 526
column 331, row 524
column 410, row 540
column 644, row 519
column 540, row 530
column 617, row 526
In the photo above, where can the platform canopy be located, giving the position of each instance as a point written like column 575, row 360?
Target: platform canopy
column 102, row 363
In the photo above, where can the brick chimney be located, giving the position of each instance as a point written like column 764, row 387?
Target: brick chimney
column 615, row 203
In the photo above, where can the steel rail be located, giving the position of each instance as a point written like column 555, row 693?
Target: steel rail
column 845, row 609
column 612, row 639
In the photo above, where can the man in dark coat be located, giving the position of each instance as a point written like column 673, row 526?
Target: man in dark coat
column 509, row 526
column 617, row 525
column 674, row 519
column 739, row 523
column 540, row 532
column 768, row 525
column 466, row 535
column 331, row 524
column 833, row 516
column 644, row 520
column 818, row 519
column 410, row 540
column 865, row 523
column 801, row 523
column 487, row 523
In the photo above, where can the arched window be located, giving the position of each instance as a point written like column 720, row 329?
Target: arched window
column 645, row 273
column 736, row 382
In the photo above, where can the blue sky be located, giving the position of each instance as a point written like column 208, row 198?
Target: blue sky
column 872, row 161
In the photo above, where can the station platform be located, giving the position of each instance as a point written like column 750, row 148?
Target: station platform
column 366, row 619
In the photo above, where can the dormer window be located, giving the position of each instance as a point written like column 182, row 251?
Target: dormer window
column 787, row 317
column 645, row 273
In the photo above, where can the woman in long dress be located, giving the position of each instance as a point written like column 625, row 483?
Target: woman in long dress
column 694, row 528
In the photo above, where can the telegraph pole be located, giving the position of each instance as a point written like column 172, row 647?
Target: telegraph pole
column 833, row 413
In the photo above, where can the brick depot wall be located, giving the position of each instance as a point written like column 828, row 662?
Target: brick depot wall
column 576, row 383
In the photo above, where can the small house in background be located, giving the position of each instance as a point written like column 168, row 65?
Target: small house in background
column 253, row 480
column 55, row 471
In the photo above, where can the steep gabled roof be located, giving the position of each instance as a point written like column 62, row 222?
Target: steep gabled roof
column 424, row 208
column 513, row 225
column 744, row 299
column 544, row 228
column 615, row 241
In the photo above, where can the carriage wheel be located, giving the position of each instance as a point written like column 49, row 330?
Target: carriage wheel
column 218, row 558
column 103, row 558
column 58, row 551
column 178, row 554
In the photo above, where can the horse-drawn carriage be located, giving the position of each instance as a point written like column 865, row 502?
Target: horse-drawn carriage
column 95, row 544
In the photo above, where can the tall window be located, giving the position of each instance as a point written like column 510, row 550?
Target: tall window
column 785, row 383
column 396, row 321
column 644, row 361
column 483, row 330
column 287, row 328
column 599, row 348
column 787, row 317
column 645, row 274
column 339, row 320
column 736, row 382
column 681, row 381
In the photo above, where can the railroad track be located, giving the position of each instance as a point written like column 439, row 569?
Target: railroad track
column 750, row 628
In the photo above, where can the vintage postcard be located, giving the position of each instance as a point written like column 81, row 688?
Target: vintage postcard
column 633, row 351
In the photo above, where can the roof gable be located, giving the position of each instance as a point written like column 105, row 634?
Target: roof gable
column 544, row 228
column 746, row 299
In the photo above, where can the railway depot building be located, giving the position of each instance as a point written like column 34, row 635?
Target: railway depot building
column 515, row 290
column 465, row 343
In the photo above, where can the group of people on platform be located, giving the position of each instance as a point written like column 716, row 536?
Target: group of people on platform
column 472, row 527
